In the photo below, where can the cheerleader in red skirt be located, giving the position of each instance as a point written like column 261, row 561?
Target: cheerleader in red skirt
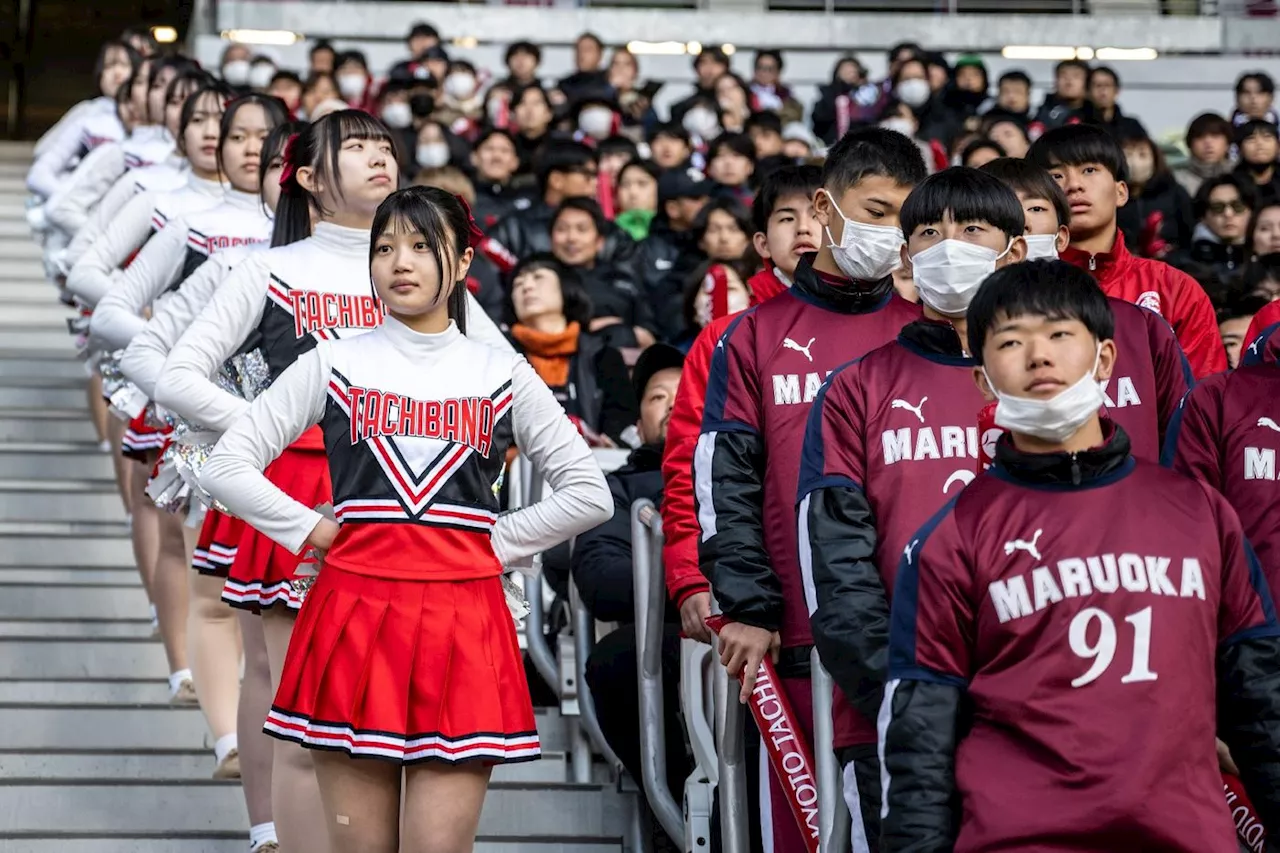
column 406, row 651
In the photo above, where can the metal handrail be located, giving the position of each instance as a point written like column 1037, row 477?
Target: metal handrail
column 696, row 662
column 650, row 602
column 584, row 637
column 833, row 818
column 731, row 749
column 526, row 490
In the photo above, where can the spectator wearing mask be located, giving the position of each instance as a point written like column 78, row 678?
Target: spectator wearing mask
column 901, row 118
column 235, row 66
column 731, row 162
column 318, row 89
column 1234, row 318
column 1104, row 108
column 1209, row 138
column 934, row 121
column 670, row 253
column 436, row 59
column 768, row 93
column 549, row 312
column 733, row 100
column 588, row 54
column 393, row 108
column 635, row 101
column 355, row 83
column 850, row 98
column 1264, row 230
column 1066, row 104
column 262, row 70
column 619, row 314
column 461, row 103
column 670, row 146
column 1159, row 213
column 1255, row 99
column 421, row 38
column 522, row 60
column 1222, row 209
column 321, row 58
column 637, row 197
column 595, row 115
column 1258, row 150
column 533, row 113
column 435, row 146
column 494, row 162
column 1013, row 95
column 1008, row 131
column 712, row 281
column 709, row 66
column 702, row 120
column 602, row 570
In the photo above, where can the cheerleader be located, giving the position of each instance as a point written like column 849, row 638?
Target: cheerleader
column 309, row 286
column 406, row 650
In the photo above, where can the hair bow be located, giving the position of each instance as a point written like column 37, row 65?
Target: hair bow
column 289, row 167
column 474, row 235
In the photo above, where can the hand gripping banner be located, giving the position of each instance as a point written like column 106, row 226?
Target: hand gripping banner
column 1243, row 814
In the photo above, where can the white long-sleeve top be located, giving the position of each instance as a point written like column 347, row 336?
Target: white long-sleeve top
column 91, row 278
column 68, row 209
column 73, row 117
column 171, row 174
column 334, row 260
column 52, row 168
column 143, row 360
column 171, row 255
column 424, row 370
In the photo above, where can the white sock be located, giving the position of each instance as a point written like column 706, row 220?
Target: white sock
column 260, row 834
column 223, row 746
column 175, row 680
column 155, row 619
column 104, row 446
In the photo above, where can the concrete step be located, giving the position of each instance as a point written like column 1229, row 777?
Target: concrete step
column 102, row 502
column 65, row 367
column 23, row 269
column 71, row 603
column 76, row 628
column 13, row 228
column 91, row 547
column 42, row 314
column 60, row 576
column 59, row 397
column 49, row 336
column 19, row 246
column 47, row 425
column 89, row 465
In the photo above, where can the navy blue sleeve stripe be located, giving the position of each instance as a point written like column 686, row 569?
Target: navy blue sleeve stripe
column 920, row 673
column 1170, row 450
column 727, row 426
column 1253, row 354
column 718, row 378
column 906, row 597
column 1258, row 581
column 830, row 482
column 813, row 461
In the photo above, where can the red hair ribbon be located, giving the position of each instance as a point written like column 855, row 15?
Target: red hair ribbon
column 474, row 235
column 716, row 283
column 287, row 161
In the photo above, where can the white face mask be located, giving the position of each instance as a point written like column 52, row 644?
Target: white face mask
column 905, row 126
column 914, row 92
column 596, row 122
column 459, row 85
column 397, row 114
column 1056, row 419
column 1042, row 246
column 433, row 155
column 866, row 252
column 351, row 85
column 947, row 274
column 236, row 72
column 260, row 75
column 701, row 122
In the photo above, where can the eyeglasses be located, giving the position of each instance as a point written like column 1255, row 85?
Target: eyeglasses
column 1217, row 208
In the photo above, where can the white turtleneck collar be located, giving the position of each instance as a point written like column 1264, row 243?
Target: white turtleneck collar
column 205, row 187
column 419, row 344
column 149, row 133
column 337, row 238
column 241, row 200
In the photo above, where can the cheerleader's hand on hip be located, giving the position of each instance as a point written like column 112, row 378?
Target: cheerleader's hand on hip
column 321, row 538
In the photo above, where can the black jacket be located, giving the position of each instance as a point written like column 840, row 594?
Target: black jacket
column 664, row 263
column 679, row 108
column 602, row 563
column 494, row 202
column 1120, row 125
column 1163, row 195
column 615, row 291
column 1054, row 113
column 525, row 232
column 1227, row 261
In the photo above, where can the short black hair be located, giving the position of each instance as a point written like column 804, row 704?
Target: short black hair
column 591, row 37
column 1078, row 144
column 617, row 145
column 1244, row 304
column 783, row 182
column 1262, row 78
column 589, row 206
column 1256, row 126
column 738, row 143
column 973, row 146
column 911, row 46
column 562, row 155
column 1043, row 288
column 872, row 151
column 1209, row 124
column 322, row 45
column 1014, row 76
column 422, row 30
column 290, row 77
column 522, row 47
column 771, row 53
column 1071, row 63
column 1261, row 269
column 765, row 120
column 573, row 294
column 1023, row 176
column 969, row 195
column 486, row 135
column 712, row 52
column 1105, row 69
column 672, row 129
column 730, row 206
column 1247, row 189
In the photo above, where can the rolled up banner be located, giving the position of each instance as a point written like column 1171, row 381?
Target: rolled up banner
column 1252, row 834
column 788, row 748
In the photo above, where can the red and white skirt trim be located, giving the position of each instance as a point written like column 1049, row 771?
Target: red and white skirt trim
column 406, row 670
column 262, row 573
column 219, row 541
column 142, row 441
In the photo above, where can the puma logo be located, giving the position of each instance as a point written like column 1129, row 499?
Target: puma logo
column 915, row 410
column 1269, row 424
column 1022, row 545
column 787, row 343
column 911, row 546
column 1257, row 342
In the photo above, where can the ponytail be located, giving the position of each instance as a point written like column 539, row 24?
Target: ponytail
column 293, row 210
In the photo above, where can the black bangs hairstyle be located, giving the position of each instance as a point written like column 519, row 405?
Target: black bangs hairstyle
column 180, row 64
column 738, row 143
column 317, row 147
column 100, row 64
column 183, row 86
column 589, row 206
column 973, row 146
column 783, row 183
column 273, row 111
column 969, row 195
column 1244, row 186
column 1023, row 176
column 649, row 167
column 728, row 205
column 1055, row 290
column 444, row 224
column 1078, row 145
column 216, row 89
column 867, row 151
column 573, row 294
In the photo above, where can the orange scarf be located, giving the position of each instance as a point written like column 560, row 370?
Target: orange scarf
column 549, row 352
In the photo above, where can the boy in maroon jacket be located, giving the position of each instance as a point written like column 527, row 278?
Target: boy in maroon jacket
column 1068, row 633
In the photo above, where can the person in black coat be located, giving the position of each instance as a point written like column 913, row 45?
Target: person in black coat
column 602, row 569
column 494, row 161
column 1158, row 218
column 670, row 253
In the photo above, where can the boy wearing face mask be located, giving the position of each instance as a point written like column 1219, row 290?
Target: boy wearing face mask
column 1151, row 372
column 765, row 374
column 890, row 437
column 1069, row 633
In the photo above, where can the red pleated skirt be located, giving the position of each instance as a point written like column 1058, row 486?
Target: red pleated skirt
column 143, row 441
column 407, row 671
column 262, row 573
column 219, row 540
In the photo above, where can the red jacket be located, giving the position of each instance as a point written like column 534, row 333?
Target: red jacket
column 679, row 523
column 1268, row 316
column 1169, row 292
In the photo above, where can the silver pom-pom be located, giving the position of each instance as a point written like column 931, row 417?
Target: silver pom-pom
column 516, row 602
column 167, row 488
